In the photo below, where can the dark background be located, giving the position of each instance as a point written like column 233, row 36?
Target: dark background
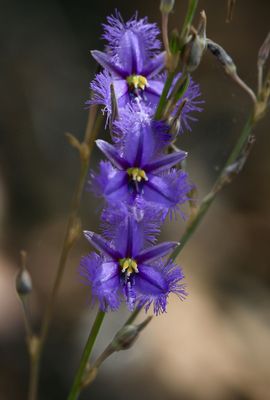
column 213, row 346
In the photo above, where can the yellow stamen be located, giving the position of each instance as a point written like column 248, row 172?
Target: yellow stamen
column 137, row 82
column 128, row 266
column 137, row 174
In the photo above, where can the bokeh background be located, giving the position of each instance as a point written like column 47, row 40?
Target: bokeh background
column 216, row 344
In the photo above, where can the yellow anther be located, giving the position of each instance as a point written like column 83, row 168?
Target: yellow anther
column 128, row 266
column 137, row 174
column 137, row 82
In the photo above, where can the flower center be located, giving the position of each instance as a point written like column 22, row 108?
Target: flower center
column 128, row 266
column 137, row 174
column 137, row 82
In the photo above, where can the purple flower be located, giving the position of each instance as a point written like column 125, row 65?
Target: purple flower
column 129, row 268
column 140, row 170
column 101, row 94
column 132, row 61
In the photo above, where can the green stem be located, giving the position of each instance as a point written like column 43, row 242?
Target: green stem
column 76, row 387
column 164, row 95
column 208, row 200
column 241, row 141
column 33, row 378
column 192, row 5
column 132, row 316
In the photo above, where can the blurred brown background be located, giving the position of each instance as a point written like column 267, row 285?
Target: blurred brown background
column 216, row 344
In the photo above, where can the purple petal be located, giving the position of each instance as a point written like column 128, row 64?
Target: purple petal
column 115, row 28
column 155, row 252
column 154, row 66
column 155, row 87
column 121, row 90
column 102, row 245
column 106, row 62
column 139, row 142
column 131, row 52
column 165, row 162
column 112, row 154
column 193, row 104
column 144, row 226
column 110, row 183
column 150, row 280
column 128, row 237
column 154, row 284
column 103, row 277
column 100, row 91
column 168, row 190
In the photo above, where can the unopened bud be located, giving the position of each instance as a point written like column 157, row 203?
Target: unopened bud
column 194, row 48
column 23, row 282
column 222, row 56
column 229, row 67
column 201, row 29
column 127, row 335
column 23, row 278
column 166, row 6
column 125, row 338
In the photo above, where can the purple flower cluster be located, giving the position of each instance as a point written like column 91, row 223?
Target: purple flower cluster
column 140, row 181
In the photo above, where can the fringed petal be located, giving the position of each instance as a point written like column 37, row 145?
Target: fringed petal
column 154, row 284
column 103, row 277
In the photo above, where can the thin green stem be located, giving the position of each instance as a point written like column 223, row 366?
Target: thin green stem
column 241, row 141
column 164, row 94
column 132, row 316
column 192, row 5
column 76, row 387
column 165, row 38
column 33, row 378
column 26, row 317
column 208, row 200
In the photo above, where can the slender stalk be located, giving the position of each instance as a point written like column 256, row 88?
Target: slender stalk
column 209, row 198
column 132, row 316
column 164, row 94
column 164, row 22
column 26, row 318
column 192, row 5
column 33, row 379
column 76, row 387
column 71, row 234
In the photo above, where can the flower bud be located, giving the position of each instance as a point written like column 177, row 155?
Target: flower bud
column 125, row 338
column 127, row 335
column 23, row 282
column 195, row 46
column 222, row 57
column 166, row 6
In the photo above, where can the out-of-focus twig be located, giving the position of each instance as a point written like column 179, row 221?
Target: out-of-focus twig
column 230, row 10
column 262, row 58
column 72, row 233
